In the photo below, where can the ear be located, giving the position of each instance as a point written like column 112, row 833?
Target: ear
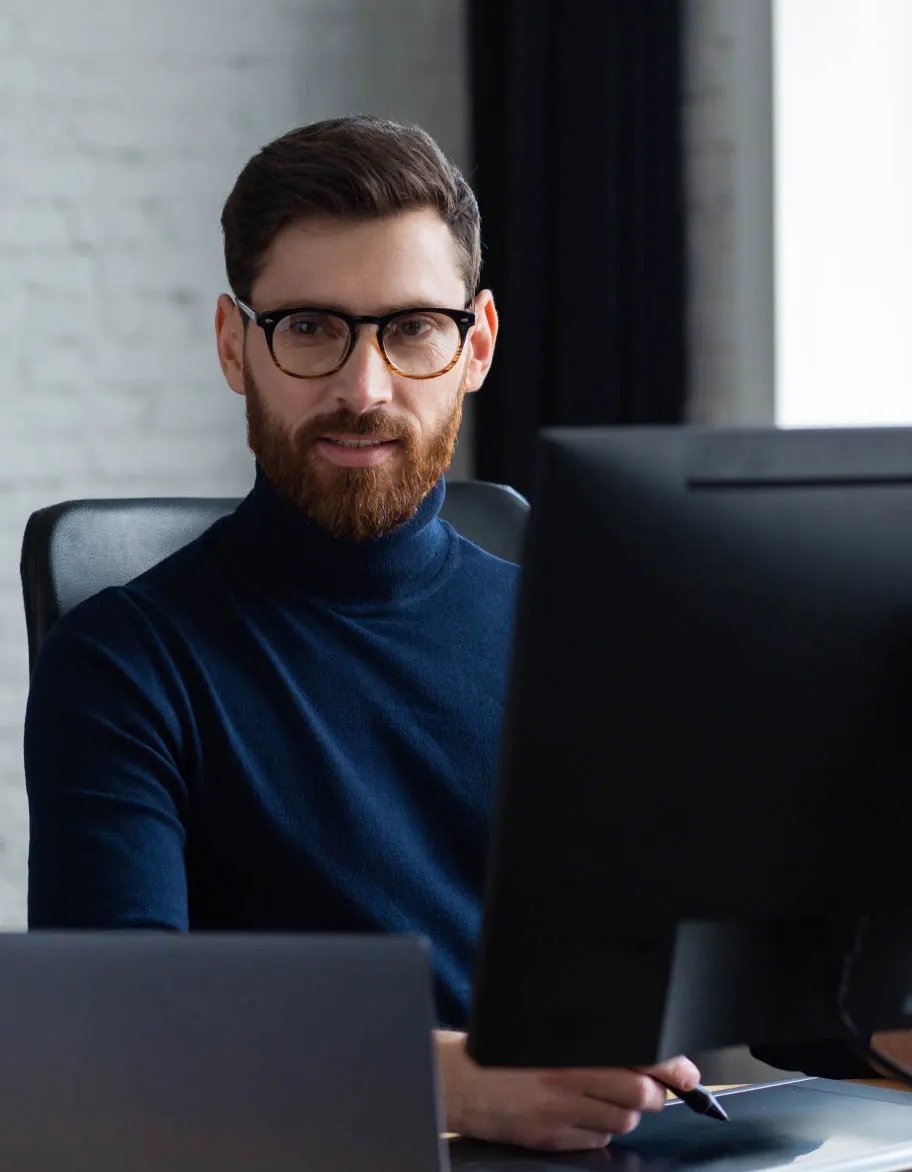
column 481, row 340
column 229, row 338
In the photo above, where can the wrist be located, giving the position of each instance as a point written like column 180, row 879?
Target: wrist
column 451, row 1061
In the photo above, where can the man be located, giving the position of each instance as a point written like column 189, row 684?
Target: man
column 292, row 723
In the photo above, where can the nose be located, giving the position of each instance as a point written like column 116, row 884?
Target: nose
column 365, row 381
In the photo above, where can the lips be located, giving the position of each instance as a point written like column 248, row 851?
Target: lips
column 356, row 451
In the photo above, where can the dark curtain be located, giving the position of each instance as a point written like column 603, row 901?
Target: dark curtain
column 577, row 150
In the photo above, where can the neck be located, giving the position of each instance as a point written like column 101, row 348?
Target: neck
column 293, row 552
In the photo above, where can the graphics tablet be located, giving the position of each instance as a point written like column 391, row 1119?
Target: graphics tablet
column 807, row 1124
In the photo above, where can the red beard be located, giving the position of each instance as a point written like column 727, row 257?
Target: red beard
column 357, row 503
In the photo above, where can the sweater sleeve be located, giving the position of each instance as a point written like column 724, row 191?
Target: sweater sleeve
column 107, row 799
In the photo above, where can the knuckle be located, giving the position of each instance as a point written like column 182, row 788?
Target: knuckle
column 627, row 1121
column 682, row 1073
column 548, row 1107
column 644, row 1093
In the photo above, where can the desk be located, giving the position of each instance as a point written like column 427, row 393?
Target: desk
column 842, row 1124
column 728, row 1087
column 867, row 1082
column 889, row 1083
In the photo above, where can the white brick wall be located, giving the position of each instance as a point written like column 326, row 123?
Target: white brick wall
column 123, row 124
column 729, row 196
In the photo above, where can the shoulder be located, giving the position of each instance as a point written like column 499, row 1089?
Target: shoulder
column 487, row 576
column 129, row 626
column 104, row 656
column 483, row 587
column 115, row 667
column 487, row 569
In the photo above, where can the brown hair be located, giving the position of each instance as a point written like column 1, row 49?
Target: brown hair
column 354, row 168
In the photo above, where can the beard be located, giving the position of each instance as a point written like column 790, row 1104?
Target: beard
column 355, row 503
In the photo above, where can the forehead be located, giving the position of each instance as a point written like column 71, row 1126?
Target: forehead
column 364, row 266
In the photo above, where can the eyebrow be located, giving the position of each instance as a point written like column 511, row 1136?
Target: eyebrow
column 397, row 308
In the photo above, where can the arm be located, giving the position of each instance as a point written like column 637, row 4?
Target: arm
column 107, row 801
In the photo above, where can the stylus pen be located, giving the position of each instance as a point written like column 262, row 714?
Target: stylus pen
column 701, row 1100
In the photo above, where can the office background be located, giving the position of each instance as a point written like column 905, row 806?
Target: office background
column 123, row 127
column 124, row 124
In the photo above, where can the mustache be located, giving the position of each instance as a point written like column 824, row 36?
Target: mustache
column 373, row 425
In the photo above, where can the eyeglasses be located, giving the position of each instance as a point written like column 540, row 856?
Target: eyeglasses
column 312, row 342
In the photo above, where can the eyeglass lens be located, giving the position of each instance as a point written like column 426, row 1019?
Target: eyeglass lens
column 310, row 344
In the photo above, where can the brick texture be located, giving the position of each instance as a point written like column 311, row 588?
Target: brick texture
column 124, row 124
column 728, row 201
column 709, row 141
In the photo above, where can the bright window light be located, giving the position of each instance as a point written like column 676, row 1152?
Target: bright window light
column 843, row 212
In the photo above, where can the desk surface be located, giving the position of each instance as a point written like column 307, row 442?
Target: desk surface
column 867, row 1082
column 889, row 1083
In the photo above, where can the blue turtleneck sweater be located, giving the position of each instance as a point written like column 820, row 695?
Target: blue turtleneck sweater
column 277, row 729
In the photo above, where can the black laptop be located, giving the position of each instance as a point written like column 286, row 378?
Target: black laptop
column 162, row 1052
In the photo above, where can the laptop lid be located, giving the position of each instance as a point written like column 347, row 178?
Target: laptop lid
column 151, row 1051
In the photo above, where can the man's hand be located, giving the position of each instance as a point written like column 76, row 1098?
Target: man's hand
column 551, row 1110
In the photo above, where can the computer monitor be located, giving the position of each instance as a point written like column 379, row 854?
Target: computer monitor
column 707, row 751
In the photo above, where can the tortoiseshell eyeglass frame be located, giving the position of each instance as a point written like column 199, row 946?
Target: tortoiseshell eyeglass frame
column 270, row 319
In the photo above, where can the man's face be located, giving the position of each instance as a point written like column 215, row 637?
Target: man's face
column 302, row 431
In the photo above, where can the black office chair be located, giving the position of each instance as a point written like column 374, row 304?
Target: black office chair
column 72, row 550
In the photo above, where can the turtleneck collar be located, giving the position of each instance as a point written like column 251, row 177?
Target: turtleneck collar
column 280, row 545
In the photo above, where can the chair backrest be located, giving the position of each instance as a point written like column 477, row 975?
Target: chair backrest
column 72, row 550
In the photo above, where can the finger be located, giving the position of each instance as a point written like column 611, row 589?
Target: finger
column 595, row 1115
column 679, row 1073
column 631, row 1090
column 567, row 1139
